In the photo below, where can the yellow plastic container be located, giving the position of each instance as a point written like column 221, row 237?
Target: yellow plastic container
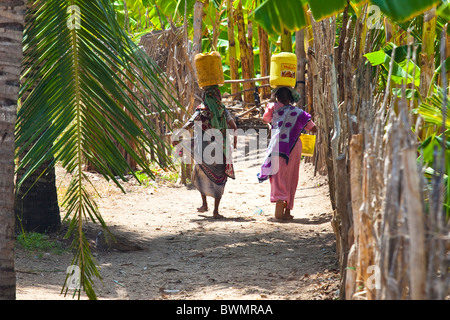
column 209, row 69
column 308, row 144
column 283, row 70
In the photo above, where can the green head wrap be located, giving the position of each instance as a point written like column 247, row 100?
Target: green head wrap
column 213, row 101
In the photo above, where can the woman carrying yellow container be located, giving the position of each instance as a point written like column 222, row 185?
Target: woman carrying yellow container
column 210, row 177
column 282, row 162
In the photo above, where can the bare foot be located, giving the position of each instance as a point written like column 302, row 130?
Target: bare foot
column 279, row 209
column 287, row 214
column 202, row 209
column 216, row 215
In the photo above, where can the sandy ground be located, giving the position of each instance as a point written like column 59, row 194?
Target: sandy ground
column 167, row 250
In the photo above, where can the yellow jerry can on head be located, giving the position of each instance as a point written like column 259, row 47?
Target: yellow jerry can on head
column 209, row 69
column 283, row 70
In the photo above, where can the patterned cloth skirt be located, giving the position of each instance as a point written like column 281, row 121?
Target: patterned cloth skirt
column 205, row 185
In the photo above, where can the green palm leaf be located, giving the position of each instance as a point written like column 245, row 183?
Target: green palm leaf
column 431, row 110
column 81, row 109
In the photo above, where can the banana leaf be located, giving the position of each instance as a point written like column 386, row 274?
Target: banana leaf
column 402, row 68
column 444, row 12
column 401, row 10
column 274, row 15
column 322, row 9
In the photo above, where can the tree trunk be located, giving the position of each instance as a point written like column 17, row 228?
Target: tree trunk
column 342, row 215
column 216, row 30
column 264, row 60
column 251, row 63
column 12, row 19
column 36, row 205
column 244, row 54
column 446, row 39
column 234, row 73
column 356, row 154
column 198, row 27
column 301, row 68
column 339, row 52
column 126, row 21
column 197, row 45
column 416, row 223
column 286, row 41
column 427, row 55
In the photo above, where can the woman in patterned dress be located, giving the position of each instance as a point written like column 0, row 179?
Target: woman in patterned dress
column 211, row 121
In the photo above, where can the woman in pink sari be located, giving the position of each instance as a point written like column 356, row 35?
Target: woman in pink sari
column 282, row 162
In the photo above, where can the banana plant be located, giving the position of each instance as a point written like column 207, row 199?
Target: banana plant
column 145, row 16
column 77, row 62
column 404, row 71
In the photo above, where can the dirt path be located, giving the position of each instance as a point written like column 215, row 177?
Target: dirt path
column 167, row 250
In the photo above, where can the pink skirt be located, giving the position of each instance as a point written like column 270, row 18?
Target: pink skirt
column 284, row 183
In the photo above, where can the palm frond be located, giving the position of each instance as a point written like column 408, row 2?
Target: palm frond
column 431, row 110
column 81, row 108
